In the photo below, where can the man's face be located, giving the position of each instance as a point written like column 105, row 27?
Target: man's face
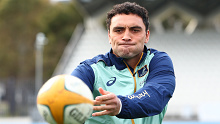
column 127, row 35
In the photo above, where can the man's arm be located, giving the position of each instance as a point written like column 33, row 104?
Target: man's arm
column 157, row 91
column 85, row 73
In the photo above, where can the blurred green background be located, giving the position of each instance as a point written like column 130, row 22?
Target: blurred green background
column 20, row 21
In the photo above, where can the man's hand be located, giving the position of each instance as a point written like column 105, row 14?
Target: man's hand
column 109, row 104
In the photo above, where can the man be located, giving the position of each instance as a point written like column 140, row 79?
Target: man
column 131, row 84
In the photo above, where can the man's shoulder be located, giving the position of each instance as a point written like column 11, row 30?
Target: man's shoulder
column 156, row 52
column 96, row 59
column 159, row 58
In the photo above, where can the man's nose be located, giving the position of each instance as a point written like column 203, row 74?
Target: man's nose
column 126, row 36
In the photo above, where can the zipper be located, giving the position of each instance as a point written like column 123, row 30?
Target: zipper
column 133, row 74
column 132, row 121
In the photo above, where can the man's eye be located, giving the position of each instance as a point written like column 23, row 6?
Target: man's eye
column 118, row 30
column 136, row 30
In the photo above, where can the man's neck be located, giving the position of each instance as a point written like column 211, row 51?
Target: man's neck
column 133, row 62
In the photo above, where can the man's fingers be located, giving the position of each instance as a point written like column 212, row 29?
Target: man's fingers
column 103, row 107
column 100, row 108
column 105, row 112
column 105, row 97
column 102, row 91
column 95, row 102
column 108, row 104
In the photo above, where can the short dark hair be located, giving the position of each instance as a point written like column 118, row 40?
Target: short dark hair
column 128, row 8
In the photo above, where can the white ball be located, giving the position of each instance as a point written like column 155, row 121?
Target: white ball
column 65, row 99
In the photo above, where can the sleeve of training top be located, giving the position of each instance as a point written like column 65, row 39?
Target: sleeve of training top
column 85, row 73
column 154, row 95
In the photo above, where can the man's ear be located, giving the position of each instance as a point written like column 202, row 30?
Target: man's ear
column 147, row 36
column 109, row 37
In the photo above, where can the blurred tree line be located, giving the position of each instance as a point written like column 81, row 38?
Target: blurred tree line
column 20, row 21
